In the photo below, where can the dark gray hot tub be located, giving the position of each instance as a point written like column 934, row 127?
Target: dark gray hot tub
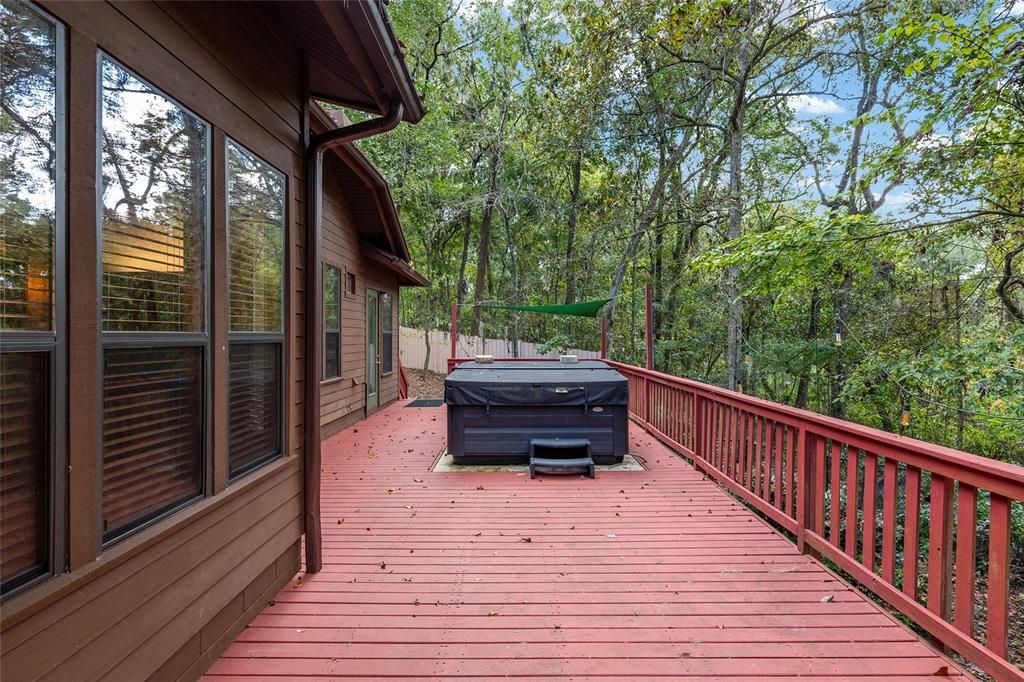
column 494, row 410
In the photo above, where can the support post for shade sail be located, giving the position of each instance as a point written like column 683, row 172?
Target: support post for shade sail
column 604, row 337
column 454, row 330
column 649, row 305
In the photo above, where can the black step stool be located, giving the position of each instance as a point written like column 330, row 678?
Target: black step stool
column 560, row 464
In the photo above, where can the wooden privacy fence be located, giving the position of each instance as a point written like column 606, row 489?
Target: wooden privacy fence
column 899, row 515
column 413, row 349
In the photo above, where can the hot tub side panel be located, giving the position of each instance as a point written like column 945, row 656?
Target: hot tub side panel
column 501, row 434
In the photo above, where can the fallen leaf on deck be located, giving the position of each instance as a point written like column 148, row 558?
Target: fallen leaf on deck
column 827, row 598
column 525, row 539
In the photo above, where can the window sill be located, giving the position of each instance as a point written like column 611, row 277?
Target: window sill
column 331, row 381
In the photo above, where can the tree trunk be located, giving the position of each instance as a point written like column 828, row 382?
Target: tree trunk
column 803, row 386
column 734, row 378
column 462, row 287
column 483, row 252
column 837, row 406
column 570, row 242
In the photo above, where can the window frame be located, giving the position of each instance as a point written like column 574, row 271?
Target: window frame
column 116, row 339
column 52, row 342
column 324, row 330
column 242, row 337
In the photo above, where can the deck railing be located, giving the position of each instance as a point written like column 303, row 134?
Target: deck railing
column 899, row 515
column 865, row 499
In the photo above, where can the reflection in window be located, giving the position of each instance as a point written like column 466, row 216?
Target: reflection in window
column 332, row 322
column 386, row 333
column 256, row 236
column 154, row 208
column 154, row 213
column 28, row 167
column 31, row 158
column 255, row 212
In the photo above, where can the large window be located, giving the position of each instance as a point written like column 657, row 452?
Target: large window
column 332, row 322
column 154, row 222
column 255, row 212
column 386, row 334
column 31, row 269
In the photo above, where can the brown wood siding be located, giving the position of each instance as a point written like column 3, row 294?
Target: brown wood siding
column 165, row 601
column 341, row 397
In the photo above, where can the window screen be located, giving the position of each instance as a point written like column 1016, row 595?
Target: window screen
column 155, row 165
column 255, row 213
column 332, row 322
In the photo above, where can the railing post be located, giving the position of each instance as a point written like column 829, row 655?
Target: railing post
column 698, row 426
column 649, row 306
column 455, row 330
column 940, row 547
column 806, row 445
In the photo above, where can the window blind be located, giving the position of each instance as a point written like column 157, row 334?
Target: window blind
column 254, row 405
column 24, row 452
column 152, row 433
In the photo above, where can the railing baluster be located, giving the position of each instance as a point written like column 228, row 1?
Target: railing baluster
column 755, row 456
column 834, row 512
column 744, row 445
column 783, row 461
column 966, row 525
column 910, row 531
column 940, row 546
column 889, row 520
column 777, row 436
column 998, row 574
column 818, row 499
column 870, row 488
column 852, row 456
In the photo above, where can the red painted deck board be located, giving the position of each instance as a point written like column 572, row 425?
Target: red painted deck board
column 633, row 575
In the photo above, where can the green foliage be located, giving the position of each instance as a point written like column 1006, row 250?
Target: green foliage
column 877, row 261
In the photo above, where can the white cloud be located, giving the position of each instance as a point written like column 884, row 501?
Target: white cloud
column 934, row 141
column 900, row 199
column 814, row 106
column 1017, row 8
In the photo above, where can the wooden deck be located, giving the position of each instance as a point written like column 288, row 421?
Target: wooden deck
column 634, row 575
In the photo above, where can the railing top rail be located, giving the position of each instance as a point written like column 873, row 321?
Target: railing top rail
column 1007, row 475
column 1006, row 478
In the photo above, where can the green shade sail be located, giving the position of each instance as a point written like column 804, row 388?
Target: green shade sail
column 582, row 309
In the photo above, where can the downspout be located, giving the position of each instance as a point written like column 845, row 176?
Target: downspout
column 315, row 149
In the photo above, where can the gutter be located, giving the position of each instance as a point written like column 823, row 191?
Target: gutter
column 317, row 146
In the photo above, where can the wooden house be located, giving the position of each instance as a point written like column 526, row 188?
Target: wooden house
column 200, row 277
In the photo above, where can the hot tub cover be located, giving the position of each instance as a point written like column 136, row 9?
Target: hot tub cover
column 535, row 383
